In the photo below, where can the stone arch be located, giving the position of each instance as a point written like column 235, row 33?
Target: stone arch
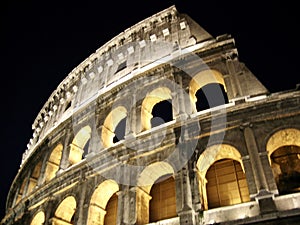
column 110, row 124
column 212, row 155
column 205, row 79
column 53, row 162
column 65, row 211
column 79, row 145
column 21, row 191
column 284, row 137
column 283, row 149
column 33, row 180
column 38, row 219
column 154, row 173
column 156, row 96
column 99, row 201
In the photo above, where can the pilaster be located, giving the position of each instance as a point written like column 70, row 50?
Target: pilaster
column 263, row 196
column 184, row 202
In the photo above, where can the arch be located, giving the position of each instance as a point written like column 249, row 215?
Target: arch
column 53, row 163
column 21, row 190
column 99, row 200
column 203, row 80
column 162, row 113
column 152, row 174
column 163, row 199
column 38, row 219
column 111, row 211
column 79, row 145
column 154, row 97
column 226, row 184
column 285, row 137
column 120, row 130
column 33, row 180
column 283, row 149
column 64, row 213
column 215, row 153
column 110, row 124
column 211, row 155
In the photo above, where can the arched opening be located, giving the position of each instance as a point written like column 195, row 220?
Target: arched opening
column 120, row 131
column 162, row 113
column 103, row 204
column 53, row 163
column 21, row 191
column 156, row 108
column 226, row 184
column 79, row 145
column 158, row 172
column 211, row 95
column 64, row 213
column 163, row 200
column 207, row 89
column 286, row 168
column 284, row 154
column 111, row 211
column 232, row 160
column 114, row 126
column 34, row 177
column 38, row 219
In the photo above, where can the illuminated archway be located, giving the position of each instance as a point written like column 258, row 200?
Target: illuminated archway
column 64, row 213
column 103, row 197
column 34, row 177
column 211, row 83
column 38, row 219
column 21, row 190
column 156, row 96
column 284, row 155
column 53, row 162
column 79, row 145
column 163, row 199
column 111, row 122
column 209, row 159
column 157, row 175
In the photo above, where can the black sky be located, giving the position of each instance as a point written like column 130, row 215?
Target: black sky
column 42, row 41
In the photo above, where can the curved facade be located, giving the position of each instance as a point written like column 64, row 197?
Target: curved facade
column 161, row 125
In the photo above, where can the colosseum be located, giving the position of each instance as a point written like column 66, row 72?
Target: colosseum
column 162, row 125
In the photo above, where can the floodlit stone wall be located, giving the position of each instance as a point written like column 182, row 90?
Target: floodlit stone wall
column 161, row 125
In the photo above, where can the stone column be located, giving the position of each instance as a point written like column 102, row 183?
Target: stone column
column 94, row 145
column 264, row 197
column 142, row 205
column 64, row 163
column 181, row 102
column 138, row 121
column 197, row 199
column 250, row 177
column 236, row 88
column 131, row 119
column 41, row 178
column 184, row 202
column 127, row 214
column 81, row 212
column 268, row 172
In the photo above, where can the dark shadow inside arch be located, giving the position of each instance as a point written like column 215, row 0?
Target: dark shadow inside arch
column 73, row 219
column 286, row 169
column 162, row 113
column 120, row 131
column 86, row 149
column 211, row 95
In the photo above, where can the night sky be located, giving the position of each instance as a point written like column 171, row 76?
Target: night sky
column 42, row 41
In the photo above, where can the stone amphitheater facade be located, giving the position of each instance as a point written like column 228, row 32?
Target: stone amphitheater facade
column 161, row 125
